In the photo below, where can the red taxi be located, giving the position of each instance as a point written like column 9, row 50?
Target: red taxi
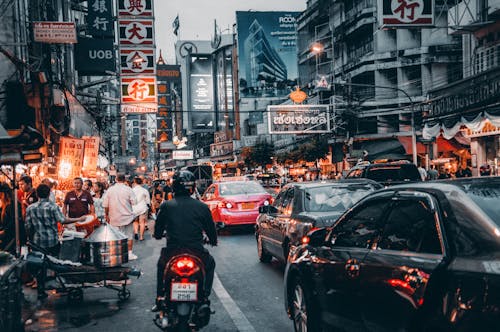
column 235, row 202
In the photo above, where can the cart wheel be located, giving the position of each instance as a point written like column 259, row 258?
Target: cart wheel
column 75, row 295
column 123, row 294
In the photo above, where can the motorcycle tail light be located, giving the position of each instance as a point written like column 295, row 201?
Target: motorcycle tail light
column 184, row 266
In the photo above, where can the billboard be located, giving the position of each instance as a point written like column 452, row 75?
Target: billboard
column 224, row 81
column 54, row 32
column 267, row 53
column 202, row 115
column 95, row 56
column 408, row 13
column 298, row 119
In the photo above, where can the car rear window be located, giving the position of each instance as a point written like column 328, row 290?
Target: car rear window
column 487, row 197
column 388, row 173
column 241, row 188
column 335, row 198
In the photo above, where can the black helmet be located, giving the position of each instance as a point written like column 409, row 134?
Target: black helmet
column 183, row 183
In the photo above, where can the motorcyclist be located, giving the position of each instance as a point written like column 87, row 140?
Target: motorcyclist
column 184, row 220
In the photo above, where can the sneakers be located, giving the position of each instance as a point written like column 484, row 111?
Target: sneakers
column 132, row 256
column 136, row 236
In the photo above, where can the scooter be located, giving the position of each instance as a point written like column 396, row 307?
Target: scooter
column 182, row 308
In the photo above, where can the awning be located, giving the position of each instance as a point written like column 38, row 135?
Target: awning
column 382, row 149
column 406, row 142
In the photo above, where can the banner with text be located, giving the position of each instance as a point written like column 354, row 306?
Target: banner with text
column 71, row 152
column 298, row 119
column 90, row 156
column 100, row 18
column 202, row 113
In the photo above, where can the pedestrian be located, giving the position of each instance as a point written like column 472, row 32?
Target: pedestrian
column 78, row 202
column 467, row 173
column 485, row 170
column 432, row 174
column 445, row 175
column 156, row 199
column 7, row 220
column 41, row 221
column 117, row 204
column 423, row 173
column 50, row 183
column 87, row 185
column 168, row 193
column 98, row 188
column 141, row 208
column 27, row 195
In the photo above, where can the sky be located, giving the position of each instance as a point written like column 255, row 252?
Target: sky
column 196, row 18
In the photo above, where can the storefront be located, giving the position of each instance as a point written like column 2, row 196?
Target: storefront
column 467, row 115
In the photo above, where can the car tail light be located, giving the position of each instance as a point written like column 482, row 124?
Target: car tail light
column 266, row 202
column 305, row 239
column 226, row 205
column 184, row 266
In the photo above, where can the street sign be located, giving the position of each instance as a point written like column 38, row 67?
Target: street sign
column 95, row 56
column 100, row 18
column 136, row 32
column 182, row 154
column 408, row 13
column 54, row 32
column 298, row 119
column 138, row 90
column 135, row 8
column 137, row 61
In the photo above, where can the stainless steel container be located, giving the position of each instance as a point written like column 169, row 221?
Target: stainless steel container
column 106, row 247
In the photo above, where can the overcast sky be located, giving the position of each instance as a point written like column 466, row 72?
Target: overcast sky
column 197, row 18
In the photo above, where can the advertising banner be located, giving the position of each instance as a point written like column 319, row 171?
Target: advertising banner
column 54, row 32
column 168, row 73
column 95, row 57
column 100, row 18
column 298, row 119
column 267, row 53
column 182, row 154
column 135, row 8
column 137, row 61
column 221, row 149
column 202, row 96
column 138, row 89
column 407, row 13
column 90, row 156
column 136, row 32
column 71, row 152
column 224, row 90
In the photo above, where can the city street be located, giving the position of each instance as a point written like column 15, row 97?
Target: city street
column 247, row 296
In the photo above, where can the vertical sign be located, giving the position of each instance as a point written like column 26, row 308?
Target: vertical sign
column 167, row 75
column 91, row 152
column 135, row 7
column 202, row 96
column 100, row 18
column 70, row 157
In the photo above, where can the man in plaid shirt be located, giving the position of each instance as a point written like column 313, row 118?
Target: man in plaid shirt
column 41, row 221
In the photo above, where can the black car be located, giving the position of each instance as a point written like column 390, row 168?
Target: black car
column 391, row 173
column 415, row 257
column 302, row 206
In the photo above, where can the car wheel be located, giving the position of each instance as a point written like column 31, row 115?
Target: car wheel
column 264, row 256
column 303, row 314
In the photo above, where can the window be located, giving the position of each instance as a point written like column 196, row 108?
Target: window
column 209, row 194
column 411, row 226
column 287, row 205
column 361, row 227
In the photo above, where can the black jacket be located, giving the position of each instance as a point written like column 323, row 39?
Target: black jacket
column 185, row 219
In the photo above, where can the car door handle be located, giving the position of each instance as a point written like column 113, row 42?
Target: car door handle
column 352, row 268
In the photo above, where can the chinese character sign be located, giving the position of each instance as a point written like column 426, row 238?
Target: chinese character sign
column 100, row 18
column 137, row 61
column 135, row 8
column 70, row 156
column 90, row 155
column 139, row 90
column 406, row 12
column 136, row 32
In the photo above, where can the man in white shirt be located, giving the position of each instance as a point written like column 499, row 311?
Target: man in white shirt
column 117, row 202
column 141, row 208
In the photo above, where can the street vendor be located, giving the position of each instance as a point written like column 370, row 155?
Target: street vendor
column 41, row 220
column 78, row 202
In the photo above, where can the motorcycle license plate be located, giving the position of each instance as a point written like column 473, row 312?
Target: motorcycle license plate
column 184, row 291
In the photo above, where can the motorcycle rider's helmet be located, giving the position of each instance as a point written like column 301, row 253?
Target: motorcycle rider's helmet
column 183, row 182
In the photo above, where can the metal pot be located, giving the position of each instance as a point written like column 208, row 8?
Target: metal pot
column 106, row 247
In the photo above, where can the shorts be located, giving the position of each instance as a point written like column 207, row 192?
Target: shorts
column 128, row 230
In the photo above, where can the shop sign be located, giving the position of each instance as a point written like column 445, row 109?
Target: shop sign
column 135, row 8
column 54, row 32
column 220, row 136
column 70, row 156
column 182, row 154
column 137, row 61
column 169, row 73
column 406, row 13
column 298, row 119
column 487, row 130
column 90, row 156
column 136, row 32
column 139, row 108
column 221, row 149
column 138, row 90
column 100, row 18
column 469, row 94
column 95, row 56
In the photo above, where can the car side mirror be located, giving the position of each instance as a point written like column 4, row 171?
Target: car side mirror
column 316, row 237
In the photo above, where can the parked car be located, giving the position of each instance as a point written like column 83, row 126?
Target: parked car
column 387, row 174
column 302, row 206
column 415, row 257
column 235, row 202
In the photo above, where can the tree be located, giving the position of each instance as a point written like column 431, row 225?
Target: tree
column 258, row 155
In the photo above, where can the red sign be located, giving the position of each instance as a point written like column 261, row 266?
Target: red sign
column 135, row 8
column 91, row 153
column 54, row 32
column 139, row 90
column 406, row 12
column 71, row 153
column 136, row 32
column 137, row 61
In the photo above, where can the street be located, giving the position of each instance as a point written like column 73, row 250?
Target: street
column 247, row 295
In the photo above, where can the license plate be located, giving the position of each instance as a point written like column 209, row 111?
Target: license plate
column 247, row 206
column 184, row 291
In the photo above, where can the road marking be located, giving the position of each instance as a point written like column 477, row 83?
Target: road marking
column 239, row 319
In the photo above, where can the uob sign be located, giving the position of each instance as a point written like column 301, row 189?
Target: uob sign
column 95, row 56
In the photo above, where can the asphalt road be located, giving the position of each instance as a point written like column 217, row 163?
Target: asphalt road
column 247, row 295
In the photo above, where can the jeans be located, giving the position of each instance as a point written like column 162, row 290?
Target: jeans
column 42, row 273
column 167, row 253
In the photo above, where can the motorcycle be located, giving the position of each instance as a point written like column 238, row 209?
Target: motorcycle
column 182, row 308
